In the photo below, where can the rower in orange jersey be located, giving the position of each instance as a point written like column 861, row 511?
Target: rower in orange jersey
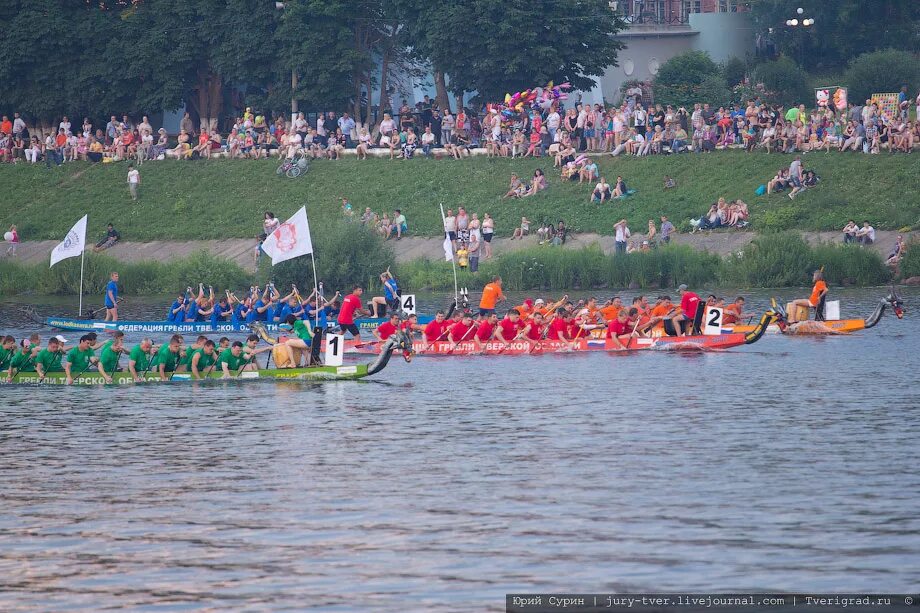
column 610, row 310
column 663, row 310
column 525, row 309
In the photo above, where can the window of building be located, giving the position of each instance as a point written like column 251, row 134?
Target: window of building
column 728, row 6
column 690, row 6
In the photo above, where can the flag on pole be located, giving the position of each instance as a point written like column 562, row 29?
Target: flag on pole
column 290, row 240
column 72, row 245
column 448, row 245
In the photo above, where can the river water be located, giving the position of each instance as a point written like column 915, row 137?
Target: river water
column 446, row 483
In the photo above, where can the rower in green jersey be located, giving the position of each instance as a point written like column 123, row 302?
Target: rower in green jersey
column 250, row 352
column 167, row 358
column 49, row 359
column 23, row 358
column 110, row 354
column 7, row 351
column 203, row 360
column 231, row 360
column 139, row 359
column 80, row 358
column 185, row 361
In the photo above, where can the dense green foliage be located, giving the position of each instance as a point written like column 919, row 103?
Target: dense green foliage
column 771, row 261
column 882, row 72
column 216, row 55
column 690, row 77
column 779, row 260
column 843, row 29
column 910, row 263
column 225, row 199
column 142, row 278
column 784, row 82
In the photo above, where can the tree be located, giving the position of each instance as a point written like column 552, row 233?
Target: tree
column 784, row 82
column 48, row 69
column 690, row 77
column 843, row 29
column 514, row 45
column 882, row 72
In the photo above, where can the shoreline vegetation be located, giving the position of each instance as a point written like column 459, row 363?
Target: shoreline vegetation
column 347, row 254
column 221, row 199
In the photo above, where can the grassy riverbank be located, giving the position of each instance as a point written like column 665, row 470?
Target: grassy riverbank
column 352, row 256
column 225, row 199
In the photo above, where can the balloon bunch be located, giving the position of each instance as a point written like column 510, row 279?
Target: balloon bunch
column 536, row 99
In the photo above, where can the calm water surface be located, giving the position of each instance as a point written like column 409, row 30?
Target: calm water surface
column 446, row 483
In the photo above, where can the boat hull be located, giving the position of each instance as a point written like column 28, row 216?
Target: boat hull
column 167, row 327
column 837, row 326
column 666, row 343
column 313, row 373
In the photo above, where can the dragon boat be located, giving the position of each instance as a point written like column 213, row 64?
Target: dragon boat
column 310, row 373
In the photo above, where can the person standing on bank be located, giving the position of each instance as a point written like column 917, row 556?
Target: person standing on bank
column 134, row 179
column 111, row 298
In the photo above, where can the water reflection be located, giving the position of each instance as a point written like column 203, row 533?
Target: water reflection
column 788, row 465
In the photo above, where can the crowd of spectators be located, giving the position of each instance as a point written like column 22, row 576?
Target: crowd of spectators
column 627, row 129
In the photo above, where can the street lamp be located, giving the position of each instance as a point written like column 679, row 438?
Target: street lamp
column 805, row 22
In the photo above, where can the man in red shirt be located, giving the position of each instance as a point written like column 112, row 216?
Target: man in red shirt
column 510, row 327
column 559, row 326
column 685, row 321
column 462, row 330
column 533, row 330
column 486, row 330
column 619, row 328
column 350, row 306
column 411, row 325
column 437, row 328
column 387, row 328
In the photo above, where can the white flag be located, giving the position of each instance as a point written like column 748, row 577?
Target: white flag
column 290, row 240
column 448, row 249
column 72, row 245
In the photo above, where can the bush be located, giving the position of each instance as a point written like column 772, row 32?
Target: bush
column 141, row 278
column 733, row 71
column 882, row 72
column 850, row 264
column 784, row 82
column 910, row 263
column 679, row 81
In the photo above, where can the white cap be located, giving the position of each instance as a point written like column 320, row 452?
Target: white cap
column 59, row 338
column 539, row 301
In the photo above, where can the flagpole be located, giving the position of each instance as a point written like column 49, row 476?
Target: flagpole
column 316, row 294
column 453, row 260
column 82, row 256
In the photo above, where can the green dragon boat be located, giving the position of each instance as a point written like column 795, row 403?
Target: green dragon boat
column 310, row 373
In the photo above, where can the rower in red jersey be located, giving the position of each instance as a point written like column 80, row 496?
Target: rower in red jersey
column 462, row 330
column 509, row 328
column 437, row 328
column 485, row 330
column 560, row 327
column 387, row 328
column 533, row 330
column 619, row 329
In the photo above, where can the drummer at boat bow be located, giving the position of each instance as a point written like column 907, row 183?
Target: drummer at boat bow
column 818, row 293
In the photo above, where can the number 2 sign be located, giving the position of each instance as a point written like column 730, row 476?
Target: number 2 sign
column 713, row 321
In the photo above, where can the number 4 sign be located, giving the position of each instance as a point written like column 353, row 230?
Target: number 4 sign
column 713, row 321
column 335, row 349
column 407, row 303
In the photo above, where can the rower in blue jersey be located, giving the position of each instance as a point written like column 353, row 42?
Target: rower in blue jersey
column 177, row 311
column 111, row 298
column 221, row 312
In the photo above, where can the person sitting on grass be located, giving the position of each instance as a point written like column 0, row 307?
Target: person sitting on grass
column 619, row 188
column 108, row 241
column 588, row 172
column 523, row 230
column 894, row 258
column 601, row 191
column 779, row 182
column 866, row 234
column 537, row 185
column 399, row 226
column 513, row 188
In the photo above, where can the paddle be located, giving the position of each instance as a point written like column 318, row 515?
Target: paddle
column 149, row 364
column 632, row 334
column 18, row 370
column 89, row 362
column 115, row 368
